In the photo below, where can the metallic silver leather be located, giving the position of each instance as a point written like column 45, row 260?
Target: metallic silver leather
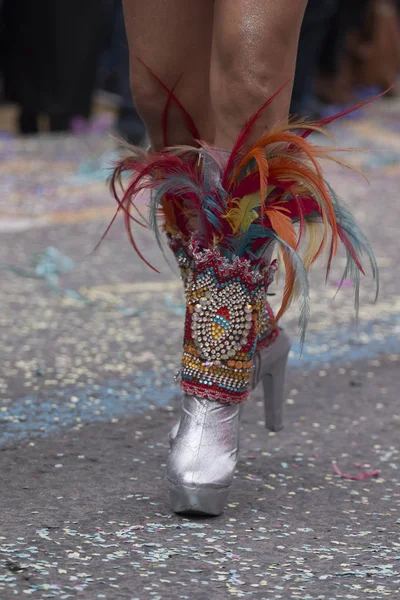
column 173, row 432
column 268, row 367
column 203, row 458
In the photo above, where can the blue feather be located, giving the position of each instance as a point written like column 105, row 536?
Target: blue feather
column 360, row 244
column 242, row 244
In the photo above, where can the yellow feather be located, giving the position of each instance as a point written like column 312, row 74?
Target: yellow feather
column 216, row 240
column 244, row 214
column 315, row 237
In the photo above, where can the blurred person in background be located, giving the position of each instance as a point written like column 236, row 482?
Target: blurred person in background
column 344, row 46
column 51, row 50
column 114, row 74
column 336, row 77
column 374, row 45
column 315, row 27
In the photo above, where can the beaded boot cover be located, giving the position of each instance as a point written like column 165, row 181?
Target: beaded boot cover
column 268, row 329
column 225, row 308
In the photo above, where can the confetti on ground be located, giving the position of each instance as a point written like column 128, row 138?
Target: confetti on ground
column 358, row 476
column 87, row 398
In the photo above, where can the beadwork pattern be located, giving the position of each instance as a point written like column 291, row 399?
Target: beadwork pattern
column 225, row 317
column 269, row 330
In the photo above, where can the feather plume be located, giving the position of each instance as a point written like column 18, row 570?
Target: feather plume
column 244, row 202
column 244, row 136
column 171, row 96
column 296, row 285
column 282, row 224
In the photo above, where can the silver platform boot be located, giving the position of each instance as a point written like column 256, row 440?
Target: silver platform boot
column 203, row 459
column 269, row 367
column 205, row 442
column 225, row 302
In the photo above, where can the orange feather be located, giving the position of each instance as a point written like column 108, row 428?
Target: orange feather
column 289, row 285
column 292, row 140
column 282, row 224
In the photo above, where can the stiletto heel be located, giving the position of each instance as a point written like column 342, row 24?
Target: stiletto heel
column 273, row 385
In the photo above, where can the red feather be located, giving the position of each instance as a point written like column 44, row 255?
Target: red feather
column 345, row 112
column 243, row 139
column 248, row 185
column 132, row 240
column 346, row 242
column 164, row 121
column 189, row 121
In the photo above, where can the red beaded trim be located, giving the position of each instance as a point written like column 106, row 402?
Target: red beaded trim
column 213, row 394
column 271, row 331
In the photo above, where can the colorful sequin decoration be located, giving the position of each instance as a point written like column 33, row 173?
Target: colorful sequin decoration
column 225, row 317
column 269, row 328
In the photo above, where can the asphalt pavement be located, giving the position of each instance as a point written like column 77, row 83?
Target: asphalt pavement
column 89, row 346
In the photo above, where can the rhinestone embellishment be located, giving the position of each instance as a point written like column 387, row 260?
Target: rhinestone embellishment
column 225, row 305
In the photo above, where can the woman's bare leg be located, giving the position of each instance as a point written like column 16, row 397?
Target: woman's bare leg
column 254, row 53
column 173, row 37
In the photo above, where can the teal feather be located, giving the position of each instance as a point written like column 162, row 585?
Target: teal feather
column 360, row 244
column 241, row 245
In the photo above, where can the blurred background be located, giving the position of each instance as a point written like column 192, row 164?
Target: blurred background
column 64, row 63
column 90, row 341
